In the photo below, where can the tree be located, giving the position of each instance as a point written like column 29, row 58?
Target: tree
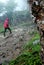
column 1, row 7
column 38, row 13
column 10, row 6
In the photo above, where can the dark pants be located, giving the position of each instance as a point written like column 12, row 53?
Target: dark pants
column 6, row 29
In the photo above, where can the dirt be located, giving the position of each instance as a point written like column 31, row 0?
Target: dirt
column 11, row 47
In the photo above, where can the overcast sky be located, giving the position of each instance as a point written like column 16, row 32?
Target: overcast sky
column 21, row 4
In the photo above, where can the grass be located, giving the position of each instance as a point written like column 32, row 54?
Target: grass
column 2, row 28
column 30, row 54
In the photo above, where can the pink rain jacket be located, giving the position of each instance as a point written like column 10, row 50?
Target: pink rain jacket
column 6, row 25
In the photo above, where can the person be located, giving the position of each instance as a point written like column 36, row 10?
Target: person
column 6, row 26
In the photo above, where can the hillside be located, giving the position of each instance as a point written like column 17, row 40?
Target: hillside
column 13, row 46
column 18, row 17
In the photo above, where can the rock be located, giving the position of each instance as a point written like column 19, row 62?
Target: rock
column 36, row 42
column 12, row 46
column 3, row 55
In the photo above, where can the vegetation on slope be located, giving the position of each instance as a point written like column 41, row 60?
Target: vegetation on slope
column 30, row 54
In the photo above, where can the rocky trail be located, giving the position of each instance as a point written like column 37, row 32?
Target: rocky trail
column 11, row 46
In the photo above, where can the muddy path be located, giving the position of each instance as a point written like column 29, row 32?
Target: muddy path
column 11, row 47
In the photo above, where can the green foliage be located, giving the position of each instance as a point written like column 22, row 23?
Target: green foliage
column 30, row 55
column 1, row 29
column 27, row 59
column 30, row 43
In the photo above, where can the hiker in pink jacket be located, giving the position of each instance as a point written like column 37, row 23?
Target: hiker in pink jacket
column 6, row 26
